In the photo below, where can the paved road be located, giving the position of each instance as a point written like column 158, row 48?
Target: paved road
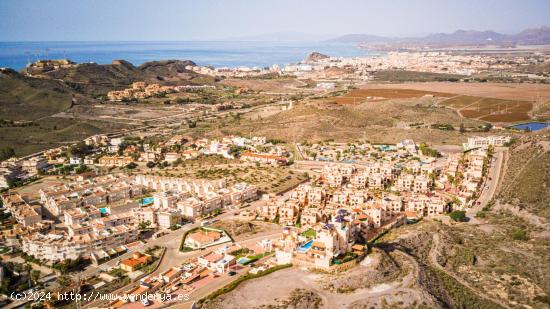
column 491, row 183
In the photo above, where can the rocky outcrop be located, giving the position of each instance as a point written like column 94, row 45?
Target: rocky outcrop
column 315, row 57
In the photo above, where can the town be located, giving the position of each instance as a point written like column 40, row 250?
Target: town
column 274, row 154
column 108, row 206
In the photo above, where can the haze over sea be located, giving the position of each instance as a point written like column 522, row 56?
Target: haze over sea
column 16, row 55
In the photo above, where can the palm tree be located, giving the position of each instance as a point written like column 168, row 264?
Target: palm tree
column 35, row 275
column 64, row 280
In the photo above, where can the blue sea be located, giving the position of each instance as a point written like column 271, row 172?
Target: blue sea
column 16, row 55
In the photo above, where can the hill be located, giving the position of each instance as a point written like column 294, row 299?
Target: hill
column 315, row 56
column 97, row 79
column 381, row 121
column 27, row 114
column 24, row 98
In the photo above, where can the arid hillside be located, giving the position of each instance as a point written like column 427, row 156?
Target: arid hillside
column 380, row 121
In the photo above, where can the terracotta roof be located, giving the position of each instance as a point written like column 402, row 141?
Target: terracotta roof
column 318, row 244
column 205, row 236
column 213, row 257
column 132, row 262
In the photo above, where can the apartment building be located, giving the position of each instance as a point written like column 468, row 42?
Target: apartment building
column 54, row 247
column 88, row 192
column 485, row 141
column 426, row 205
column 34, row 165
column 112, row 161
column 25, row 214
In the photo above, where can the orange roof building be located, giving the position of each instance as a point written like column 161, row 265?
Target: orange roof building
column 137, row 261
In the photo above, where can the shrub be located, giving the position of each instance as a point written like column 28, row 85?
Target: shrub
column 520, row 234
column 458, row 215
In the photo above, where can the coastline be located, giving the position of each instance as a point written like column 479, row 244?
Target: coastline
column 16, row 55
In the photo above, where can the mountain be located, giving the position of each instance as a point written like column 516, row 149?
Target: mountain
column 534, row 36
column 460, row 37
column 465, row 37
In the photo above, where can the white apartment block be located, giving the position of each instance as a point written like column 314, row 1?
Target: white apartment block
column 485, row 141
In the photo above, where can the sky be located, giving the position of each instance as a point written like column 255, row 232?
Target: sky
column 166, row 20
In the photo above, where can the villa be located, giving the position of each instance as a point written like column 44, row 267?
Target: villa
column 202, row 238
column 137, row 261
column 216, row 262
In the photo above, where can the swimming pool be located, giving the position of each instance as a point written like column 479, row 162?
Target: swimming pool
column 305, row 247
column 146, row 201
column 103, row 210
column 384, row 147
column 532, row 126
column 243, row 260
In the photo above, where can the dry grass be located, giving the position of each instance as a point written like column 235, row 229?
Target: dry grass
column 377, row 121
column 268, row 178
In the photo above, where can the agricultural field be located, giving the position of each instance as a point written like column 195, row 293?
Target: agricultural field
column 357, row 96
column 399, row 76
column 490, row 109
column 505, row 91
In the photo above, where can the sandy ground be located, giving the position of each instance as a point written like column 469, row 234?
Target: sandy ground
column 276, row 287
column 524, row 92
column 30, row 192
